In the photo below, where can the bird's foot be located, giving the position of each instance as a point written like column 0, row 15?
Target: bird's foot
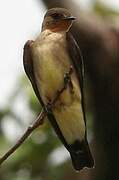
column 48, row 107
column 67, row 79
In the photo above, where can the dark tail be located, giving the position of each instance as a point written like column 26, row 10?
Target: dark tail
column 81, row 155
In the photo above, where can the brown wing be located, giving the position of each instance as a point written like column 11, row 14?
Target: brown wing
column 76, row 57
column 77, row 61
column 28, row 66
column 83, row 159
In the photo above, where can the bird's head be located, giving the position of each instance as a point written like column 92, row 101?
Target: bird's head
column 57, row 19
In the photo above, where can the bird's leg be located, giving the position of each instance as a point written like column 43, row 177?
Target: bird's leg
column 67, row 79
column 48, row 107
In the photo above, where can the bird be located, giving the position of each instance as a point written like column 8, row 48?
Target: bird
column 46, row 61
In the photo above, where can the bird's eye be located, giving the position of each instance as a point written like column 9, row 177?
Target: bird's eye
column 57, row 16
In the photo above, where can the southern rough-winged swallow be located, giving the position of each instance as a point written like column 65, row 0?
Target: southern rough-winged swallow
column 46, row 60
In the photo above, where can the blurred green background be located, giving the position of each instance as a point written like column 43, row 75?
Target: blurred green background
column 42, row 156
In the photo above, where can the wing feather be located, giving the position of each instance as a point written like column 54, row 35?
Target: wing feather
column 28, row 66
column 77, row 61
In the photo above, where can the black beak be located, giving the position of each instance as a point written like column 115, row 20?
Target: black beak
column 69, row 18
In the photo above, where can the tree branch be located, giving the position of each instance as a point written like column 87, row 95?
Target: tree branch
column 40, row 118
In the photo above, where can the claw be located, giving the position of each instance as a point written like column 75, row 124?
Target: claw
column 67, row 79
column 48, row 107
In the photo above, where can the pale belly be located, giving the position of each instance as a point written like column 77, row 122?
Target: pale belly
column 49, row 73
